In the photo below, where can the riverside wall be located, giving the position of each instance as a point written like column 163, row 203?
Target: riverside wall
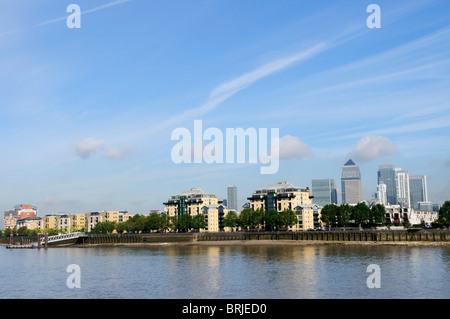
column 434, row 235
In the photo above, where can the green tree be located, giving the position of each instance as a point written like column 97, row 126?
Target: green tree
column 329, row 215
column 138, row 223
column 287, row 218
column 122, row 227
column 165, row 222
column 244, row 218
column 184, row 222
column 377, row 214
column 256, row 218
column 198, row 222
column 231, row 219
column 153, row 222
column 360, row 214
column 271, row 219
column 104, row 228
column 174, row 223
column 343, row 215
column 22, row 231
column 444, row 214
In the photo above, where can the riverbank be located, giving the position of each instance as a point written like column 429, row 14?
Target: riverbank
column 267, row 243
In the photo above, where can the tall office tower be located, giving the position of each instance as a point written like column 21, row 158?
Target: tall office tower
column 402, row 181
column 381, row 194
column 324, row 191
column 386, row 176
column 232, row 197
column 351, row 183
column 418, row 190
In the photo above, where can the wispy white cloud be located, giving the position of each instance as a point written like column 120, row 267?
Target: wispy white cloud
column 372, row 147
column 115, row 153
column 88, row 146
column 291, row 147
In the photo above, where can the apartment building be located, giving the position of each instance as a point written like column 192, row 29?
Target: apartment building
column 189, row 202
column 284, row 195
column 280, row 196
column 32, row 223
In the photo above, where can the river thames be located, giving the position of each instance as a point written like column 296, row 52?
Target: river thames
column 227, row 272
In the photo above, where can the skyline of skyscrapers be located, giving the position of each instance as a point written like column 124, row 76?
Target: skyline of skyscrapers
column 324, row 191
column 397, row 184
column 351, row 183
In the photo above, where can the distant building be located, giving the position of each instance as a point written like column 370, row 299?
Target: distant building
column 425, row 206
column 280, row 196
column 418, row 190
column 189, row 202
column 397, row 184
column 31, row 223
column 402, row 181
column 381, row 194
column 386, row 176
column 195, row 201
column 232, row 197
column 11, row 217
column 351, row 183
column 284, row 195
column 323, row 191
column 397, row 215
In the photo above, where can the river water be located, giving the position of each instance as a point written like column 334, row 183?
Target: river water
column 224, row 272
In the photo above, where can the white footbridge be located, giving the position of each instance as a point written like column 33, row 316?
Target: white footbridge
column 61, row 237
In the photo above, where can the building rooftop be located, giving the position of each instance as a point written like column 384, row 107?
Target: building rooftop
column 282, row 187
column 349, row 163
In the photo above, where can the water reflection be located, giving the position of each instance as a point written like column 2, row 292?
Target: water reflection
column 332, row 271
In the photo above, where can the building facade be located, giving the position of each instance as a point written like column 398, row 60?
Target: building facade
column 418, row 190
column 323, row 191
column 232, row 197
column 397, row 215
column 196, row 201
column 284, row 195
column 351, row 183
column 22, row 211
column 381, row 194
column 402, row 184
column 189, row 202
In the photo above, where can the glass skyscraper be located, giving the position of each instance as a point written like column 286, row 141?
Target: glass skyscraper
column 351, row 183
column 386, row 176
column 418, row 190
column 232, row 197
column 397, row 184
column 324, row 191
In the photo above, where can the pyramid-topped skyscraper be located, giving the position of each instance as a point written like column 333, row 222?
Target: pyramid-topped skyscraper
column 351, row 183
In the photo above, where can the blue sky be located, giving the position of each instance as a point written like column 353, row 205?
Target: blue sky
column 86, row 115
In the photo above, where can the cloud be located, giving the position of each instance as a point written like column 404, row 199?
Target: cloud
column 115, row 153
column 226, row 90
column 372, row 147
column 88, row 146
column 292, row 148
column 447, row 162
column 249, row 78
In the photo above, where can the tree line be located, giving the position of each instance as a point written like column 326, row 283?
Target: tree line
column 269, row 220
column 153, row 222
column 360, row 215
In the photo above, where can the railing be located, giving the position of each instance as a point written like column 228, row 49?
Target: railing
column 61, row 237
